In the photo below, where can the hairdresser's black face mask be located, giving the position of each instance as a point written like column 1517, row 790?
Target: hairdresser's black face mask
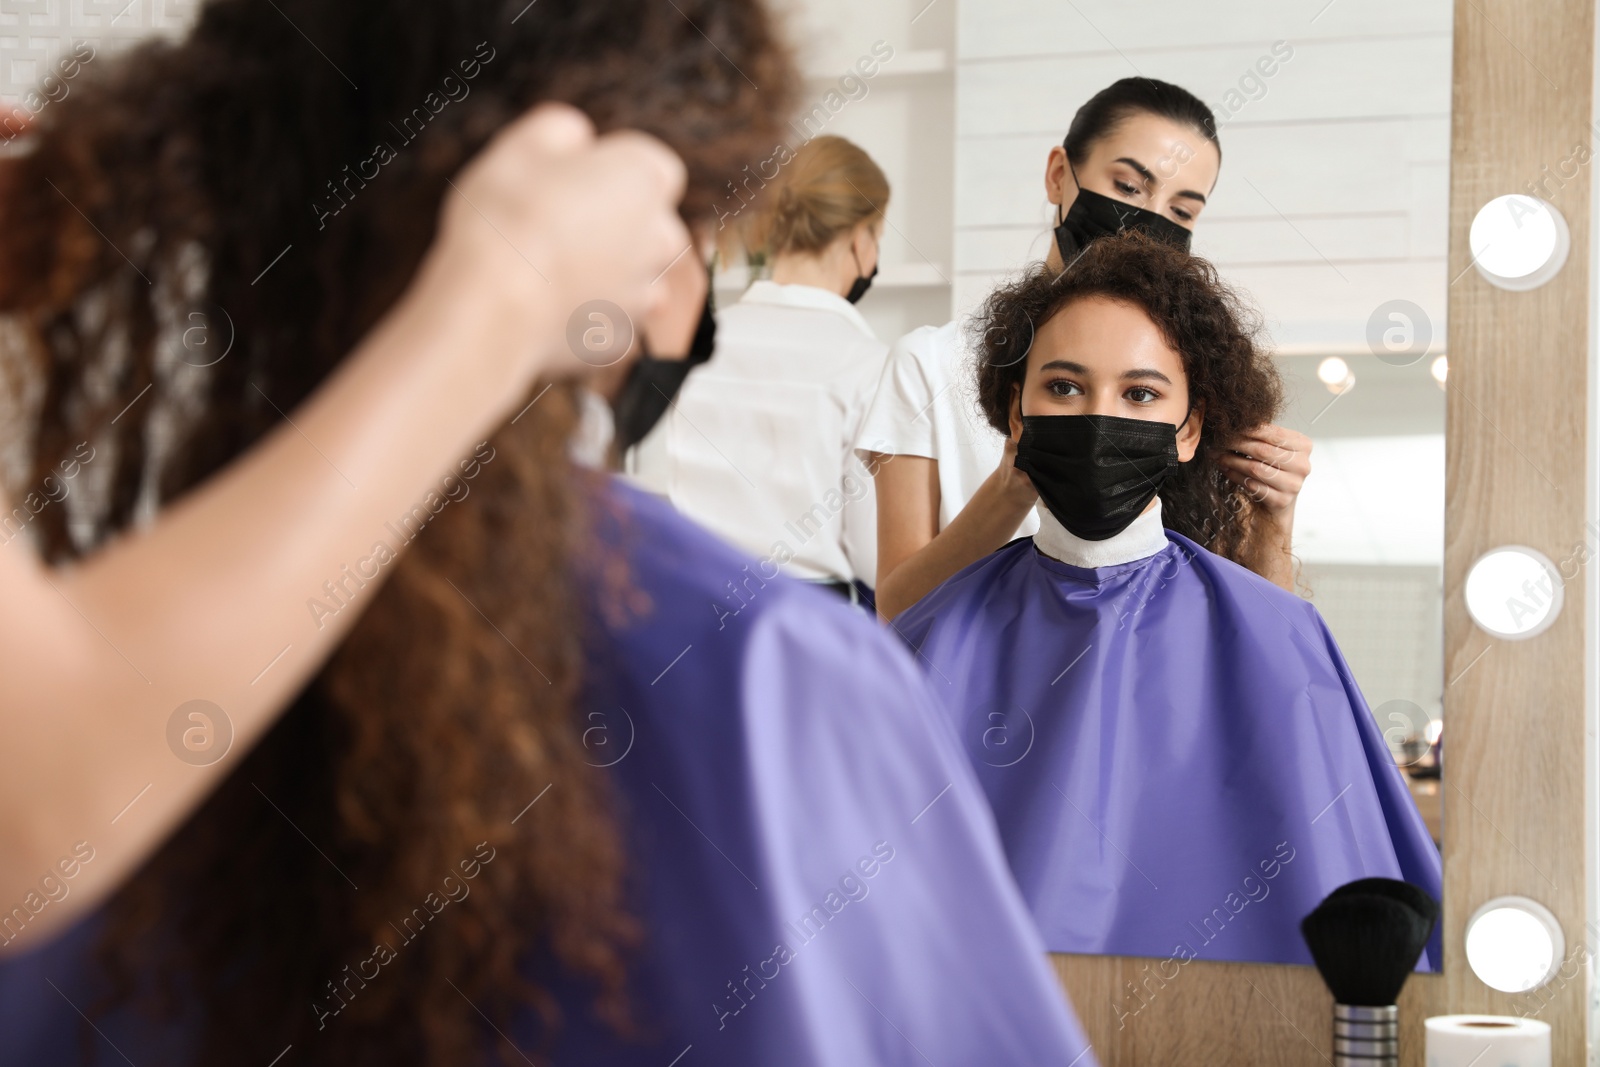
column 1093, row 215
column 652, row 383
column 1096, row 473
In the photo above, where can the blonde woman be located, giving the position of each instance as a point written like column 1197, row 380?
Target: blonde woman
column 758, row 445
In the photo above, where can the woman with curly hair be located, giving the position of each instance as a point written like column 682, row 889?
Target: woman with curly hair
column 1140, row 155
column 1165, row 736
column 346, row 720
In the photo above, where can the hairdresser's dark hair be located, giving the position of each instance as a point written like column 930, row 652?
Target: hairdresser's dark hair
column 1105, row 110
column 233, row 175
column 1232, row 379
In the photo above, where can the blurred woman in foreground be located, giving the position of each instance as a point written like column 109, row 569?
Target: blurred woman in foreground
column 419, row 850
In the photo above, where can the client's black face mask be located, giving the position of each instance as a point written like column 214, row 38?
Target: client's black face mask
column 1093, row 215
column 1096, row 473
column 652, row 383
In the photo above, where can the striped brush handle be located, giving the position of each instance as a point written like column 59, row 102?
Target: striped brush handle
column 1366, row 1037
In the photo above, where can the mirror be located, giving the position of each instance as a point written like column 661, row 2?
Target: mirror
column 1329, row 215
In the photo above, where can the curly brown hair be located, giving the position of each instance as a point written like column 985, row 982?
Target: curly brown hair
column 169, row 183
column 1232, row 379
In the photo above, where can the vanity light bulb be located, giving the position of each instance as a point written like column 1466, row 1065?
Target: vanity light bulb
column 1433, row 731
column 1514, row 944
column 1440, row 369
column 1335, row 373
column 1513, row 592
column 1518, row 242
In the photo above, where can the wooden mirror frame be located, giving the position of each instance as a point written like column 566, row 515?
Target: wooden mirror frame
column 1516, row 814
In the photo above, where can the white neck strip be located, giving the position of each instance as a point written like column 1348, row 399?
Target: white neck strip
column 1144, row 537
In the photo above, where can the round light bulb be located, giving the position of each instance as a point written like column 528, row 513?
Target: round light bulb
column 1514, row 944
column 1333, row 371
column 1518, row 242
column 1513, row 592
column 1440, row 369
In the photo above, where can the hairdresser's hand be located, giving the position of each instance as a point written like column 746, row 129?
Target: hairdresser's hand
column 549, row 217
column 1015, row 487
column 1272, row 465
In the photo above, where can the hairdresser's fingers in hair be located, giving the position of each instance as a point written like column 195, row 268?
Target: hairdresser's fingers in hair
column 1252, row 488
column 1269, row 457
column 1273, row 498
column 1284, row 478
column 1270, row 463
column 1283, row 448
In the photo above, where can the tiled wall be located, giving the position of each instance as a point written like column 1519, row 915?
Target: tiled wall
column 36, row 34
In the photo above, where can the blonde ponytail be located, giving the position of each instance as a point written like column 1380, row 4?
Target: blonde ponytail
column 829, row 188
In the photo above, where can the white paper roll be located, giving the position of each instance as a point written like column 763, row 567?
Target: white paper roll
column 1487, row 1041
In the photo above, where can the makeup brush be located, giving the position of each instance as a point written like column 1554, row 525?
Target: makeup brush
column 1416, row 898
column 1365, row 938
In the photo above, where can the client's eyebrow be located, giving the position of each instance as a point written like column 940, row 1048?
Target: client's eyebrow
column 1135, row 375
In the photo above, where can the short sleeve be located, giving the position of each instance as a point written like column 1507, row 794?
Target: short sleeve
column 899, row 418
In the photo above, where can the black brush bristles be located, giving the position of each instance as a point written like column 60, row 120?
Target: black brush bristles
column 1417, row 898
column 1365, row 943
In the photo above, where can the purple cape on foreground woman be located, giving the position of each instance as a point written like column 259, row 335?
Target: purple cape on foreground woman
column 813, row 861
column 1179, row 761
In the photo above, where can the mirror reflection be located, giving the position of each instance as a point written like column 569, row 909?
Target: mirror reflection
column 1130, row 424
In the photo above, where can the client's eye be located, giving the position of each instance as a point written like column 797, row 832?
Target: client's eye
column 1140, row 395
column 1061, row 387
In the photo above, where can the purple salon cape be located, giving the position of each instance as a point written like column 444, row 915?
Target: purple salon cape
column 812, row 860
column 1179, row 761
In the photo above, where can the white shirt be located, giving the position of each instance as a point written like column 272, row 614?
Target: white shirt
column 758, row 445
column 926, row 404
column 1143, row 538
column 590, row 444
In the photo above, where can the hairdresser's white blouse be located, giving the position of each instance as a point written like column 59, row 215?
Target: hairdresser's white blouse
column 758, row 446
column 926, row 404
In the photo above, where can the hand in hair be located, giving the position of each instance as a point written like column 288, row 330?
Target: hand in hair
column 1270, row 463
column 210, row 601
column 603, row 226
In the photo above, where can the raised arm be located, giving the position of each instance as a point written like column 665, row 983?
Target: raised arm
column 1272, row 463
column 914, row 555
column 209, row 602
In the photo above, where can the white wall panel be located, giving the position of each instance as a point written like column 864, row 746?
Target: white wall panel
column 1027, row 27
column 1323, row 80
column 1334, row 188
column 35, row 34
